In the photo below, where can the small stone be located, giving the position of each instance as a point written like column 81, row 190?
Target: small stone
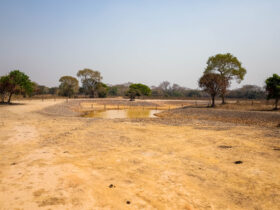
column 238, row 162
column 111, row 186
column 127, row 202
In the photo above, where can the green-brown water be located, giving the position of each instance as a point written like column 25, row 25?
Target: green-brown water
column 124, row 113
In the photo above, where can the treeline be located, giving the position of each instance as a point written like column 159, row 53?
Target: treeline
column 171, row 91
column 220, row 71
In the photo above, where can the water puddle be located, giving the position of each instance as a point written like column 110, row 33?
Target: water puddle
column 124, row 113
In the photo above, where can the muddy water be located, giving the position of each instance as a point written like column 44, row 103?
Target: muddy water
column 125, row 113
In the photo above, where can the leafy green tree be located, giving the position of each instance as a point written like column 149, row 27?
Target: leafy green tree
column 227, row 66
column 212, row 84
column 138, row 90
column 144, row 89
column 90, row 80
column 68, row 86
column 273, row 88
column 16, row 82
column 102, row 90
column 132, row 93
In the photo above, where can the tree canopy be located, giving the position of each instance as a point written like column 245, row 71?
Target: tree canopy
column 16, row 82
column 273, row 88
column 138, row 90
column 227, row 66
column 68, row 86
column 90, row 81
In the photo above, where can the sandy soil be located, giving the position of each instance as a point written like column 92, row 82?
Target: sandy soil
column 63, row 161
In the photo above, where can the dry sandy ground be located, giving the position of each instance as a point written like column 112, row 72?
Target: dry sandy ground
column 54, row 162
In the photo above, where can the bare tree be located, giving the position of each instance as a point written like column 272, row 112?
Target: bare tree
column 212, row 84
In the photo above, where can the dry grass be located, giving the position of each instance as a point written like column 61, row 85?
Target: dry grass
column 64, row 162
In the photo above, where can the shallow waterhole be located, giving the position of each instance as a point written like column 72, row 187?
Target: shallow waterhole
column 122, row 113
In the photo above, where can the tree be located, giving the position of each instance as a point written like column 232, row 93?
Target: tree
column 227, row 66
column 113, row 91
column 90, row 80
column 102, row 90
column 273, row 88
column 4, row 82
column 68, row 86
column 16, row 82
column 132, row 93
column 138, row 90
column 212, row 84
column 165, row 87
column 247, row 91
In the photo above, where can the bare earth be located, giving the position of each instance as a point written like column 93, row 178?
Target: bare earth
column 50, row 161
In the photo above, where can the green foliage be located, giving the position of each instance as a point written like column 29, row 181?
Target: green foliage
column 143, row 89
column 68, row 86
column 228, row 66
column 138, row 90
column 273, row 88
column 16, row 82
column 90, row 80
column 132, row 93
column 113, row 91
column 102, row 90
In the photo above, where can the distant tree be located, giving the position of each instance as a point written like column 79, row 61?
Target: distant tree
column 248, row 92
column 16, row 82
column 102, row 90
column 53, row 90
column 165, row 87
column 4, row 82
column 132, row 93
column 68, row 86
column 90, row 80
column 212, row 84
column 227, row 66
column 138, row 90
column 273, row 88
column 113, row 91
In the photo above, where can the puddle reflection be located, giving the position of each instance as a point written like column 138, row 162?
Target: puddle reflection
column 125, row 113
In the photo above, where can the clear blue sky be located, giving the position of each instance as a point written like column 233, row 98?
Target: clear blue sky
column 144, row 41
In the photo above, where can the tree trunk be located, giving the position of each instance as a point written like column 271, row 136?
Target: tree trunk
column 213, row 100
column 223, row 99
column 2, row 98
column 9, row 99
column 276, row 103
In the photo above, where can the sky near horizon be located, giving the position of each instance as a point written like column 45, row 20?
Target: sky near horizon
column 147, row 41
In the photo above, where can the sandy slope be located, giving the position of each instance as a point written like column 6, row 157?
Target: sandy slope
column 52, row 162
